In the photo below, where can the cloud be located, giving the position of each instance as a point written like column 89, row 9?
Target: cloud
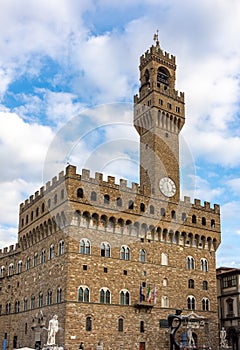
column 234, row 185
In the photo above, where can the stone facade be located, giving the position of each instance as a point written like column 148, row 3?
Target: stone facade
column 114, row 261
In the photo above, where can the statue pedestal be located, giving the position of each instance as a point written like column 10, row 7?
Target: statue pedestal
column 52, row 347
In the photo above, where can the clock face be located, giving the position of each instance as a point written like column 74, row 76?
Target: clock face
column 167, row 187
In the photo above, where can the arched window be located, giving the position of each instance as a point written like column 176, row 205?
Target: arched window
column 88, row 323
column 8, row 308
column 51, row 252
column 173, row 214
column 142, row 255
column 25, row 301
column 43, row 207
column 151, row 209
column 105, row 249
column 37, row 212
column 141, row 326
column 119, row 202
column 80, row 193
column 55, row 199
column 205, row 285
column 212, row 223
column 130, row 204
column 204, row 221
column 164, row 259
column 162, row 76
column 83, row 294
column 59, row 295
column 191, row 283
column 49, row 297
column 204, row 265
column 43, row 256
column 35, row 259
column 62, row 193
column 165, row 301
column 106, row 199
column 32, row 303
column 93, row 196
column 190, row 263
column 105, row 296
column 120, row 325
column 125, row 253
column 165, row 282
column 205, row 304
column 85, row 246
column 28, row 263
column 17, row 307
column 194, row 219
column 124, row 297
column 40, row 299
column 191, row 302
column 184, row 217
column 142, row 207
column 162, row 212
column 10, row 269
column 2, row 271
column 20, row 264
column 61, row 247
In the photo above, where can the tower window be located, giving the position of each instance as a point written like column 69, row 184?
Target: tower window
column 130, row 204
column 93, row 196
column 169, row 106
column 163, row 75
column 80, row 193
column 141, row 326
column 178, row 109
column 142, row 207
column 106, row 199
column 151, row 209
column 204, row 221
column 120, row 325
column 194, row 219
column 119, row 202
column 160, row 102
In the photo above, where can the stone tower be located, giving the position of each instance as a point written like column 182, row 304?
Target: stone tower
column 158, row 118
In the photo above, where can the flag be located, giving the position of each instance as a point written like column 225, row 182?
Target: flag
column 141, row 295
column 149, row 295
column 154, row 295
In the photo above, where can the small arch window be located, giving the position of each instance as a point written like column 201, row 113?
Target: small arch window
column 49, row 297
column 17, row 307
column 28, row 263
column 191, row 283
column 8, row 308
column 124, row 297
column 93, row 196
column 80, row 193
column 88, row 324
column 163, row 76
column 10, row 270
column 151, row 209
column 61, row 247
column 32, row 302
column 51, row 252
column 105, row 296
column 184, row 216
column 40, row 299
column 43, row 256
column 142, row 255
column 20, row 264
column 120, row 325
column 173, row 214
column 62, row 193
column 203, row 221
column 194, row 219
column 125, row 253
column 130, row 204
column 142, row 207
column 141, row 326
column 43, row 207
column 212, row 223
column 35, row 259
column 205, row 285
column 165, row 282
column 59, row 295
column 162, row 212
column 106, row 199
column 37, row 212
column 55, row 199
column 25, row 302
column 83, row 294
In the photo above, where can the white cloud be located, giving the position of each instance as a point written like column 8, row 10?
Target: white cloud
column 8, row 236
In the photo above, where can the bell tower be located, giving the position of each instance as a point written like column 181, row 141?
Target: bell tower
column 159, row 117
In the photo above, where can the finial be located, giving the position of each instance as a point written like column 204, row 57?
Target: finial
column 155, row 37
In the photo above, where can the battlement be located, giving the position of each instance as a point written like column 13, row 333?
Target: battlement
column 196, row 204
column 12, row 249
column 158, row 53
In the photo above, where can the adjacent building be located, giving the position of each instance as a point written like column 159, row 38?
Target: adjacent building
column 113, row 261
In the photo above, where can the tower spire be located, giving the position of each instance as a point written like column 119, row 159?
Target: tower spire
column 155, row 37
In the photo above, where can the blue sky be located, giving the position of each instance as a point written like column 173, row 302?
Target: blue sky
column 68, row 72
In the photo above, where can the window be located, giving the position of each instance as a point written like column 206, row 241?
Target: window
column 205, row 304
column 204, row 265
column 142, row 207
column 8, row 308
column 37, row 212
column 88, row 323
column 169, row 106
column 130, row 204
column 84, row 246
column 83, row 294
column 55, row 199
column 32, row 304
column 229, row 281
column 190, row 263
column 10, row 270
column 32, row 216
column 0, row 309
column 191, row 302
column 2, row 271
column 120, row 325
column 194, row 219
column 28, row 263
column 17, row 307
column 43, row 207
column 105, row 296
column 25, row 301
column 205, row 285
column 230, row 311
column 142, row 255
column 124, row 297
column 191, row 283
column 165, row 282
column 178, row 109
column 93, row 196
column 27, row 219
column 125, row 253
column 59, row 295
column 212, row 223
column 20, row 264
column 61, row 247
column 162, row 212
column 43, row 256
column 173, row 214
column 62, row 194
column 184, row 216
column 151, row 209
column 80, row 193
column 164, row 259
column 51, row 252
column 160, row 102
column 49, row 297
column 105, row 249
column 165, row 301
column 35, row 259
column 204, row 221
column 119, row 202
column 141, row 326
column 40, row 300
column 106, row 199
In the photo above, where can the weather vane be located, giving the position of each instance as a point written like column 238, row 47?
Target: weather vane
column 155, row 36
